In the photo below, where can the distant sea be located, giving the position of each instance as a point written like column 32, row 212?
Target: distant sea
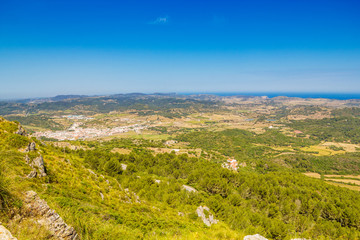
column 339, row 96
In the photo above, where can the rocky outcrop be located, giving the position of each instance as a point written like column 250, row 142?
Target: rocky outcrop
column 27, row 159
column 5, row 234
column 48, row 218
column 36, row 164
column 38, row 167
column 21, row 131
column 31, row 147
column 207, row 220
column 254, row 237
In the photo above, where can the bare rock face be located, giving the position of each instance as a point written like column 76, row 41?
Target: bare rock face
column 21, row 131
column 208, row 221
column 254, row 237
column 38, row 166
column 48, row 218
column 5, row 234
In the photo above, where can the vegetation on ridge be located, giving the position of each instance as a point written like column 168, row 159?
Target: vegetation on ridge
column 277, row 204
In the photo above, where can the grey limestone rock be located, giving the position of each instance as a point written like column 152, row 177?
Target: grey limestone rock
column 38, row 165
column 102, row 196
column 189, row 189
column 259, row 237
column 31, row 147
column 48, row 218
column 21, row 131
column 27, row 159
column 201, row 213
column 123, row 166
column 254, row 237
column 5, row 234
column 32, row 174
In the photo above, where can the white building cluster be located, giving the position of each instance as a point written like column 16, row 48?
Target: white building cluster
column 231, row 164
column 76, row 132
column 77, row 117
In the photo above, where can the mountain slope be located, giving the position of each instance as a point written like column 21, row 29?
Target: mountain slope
column 94, row 193
column 96, row 205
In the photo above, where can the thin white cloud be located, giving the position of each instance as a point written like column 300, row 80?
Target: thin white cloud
column 160, row 20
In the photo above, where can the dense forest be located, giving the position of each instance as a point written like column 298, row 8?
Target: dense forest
column 339, row 129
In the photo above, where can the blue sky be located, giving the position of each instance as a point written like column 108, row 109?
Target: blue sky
column 102, row 47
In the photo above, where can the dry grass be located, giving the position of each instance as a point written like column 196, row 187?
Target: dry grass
column 338, row 180
column 346, row 146
column 355, row 188
column 357, row 182
column 342, row 176
column 321, row 150
column 27, row 228
column 313, row 175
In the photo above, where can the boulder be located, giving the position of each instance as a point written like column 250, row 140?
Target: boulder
column 208, row 221
column 5, row 234
column 189, row 189
column 38, row 165
column 31, row 147
column 254, row 237
column 123, row 166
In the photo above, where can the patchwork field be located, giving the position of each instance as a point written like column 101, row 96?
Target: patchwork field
column 347, row 181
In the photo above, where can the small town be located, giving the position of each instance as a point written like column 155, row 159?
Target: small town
column 76, row 132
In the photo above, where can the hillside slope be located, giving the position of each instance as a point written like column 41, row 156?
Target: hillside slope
column 105, row 195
